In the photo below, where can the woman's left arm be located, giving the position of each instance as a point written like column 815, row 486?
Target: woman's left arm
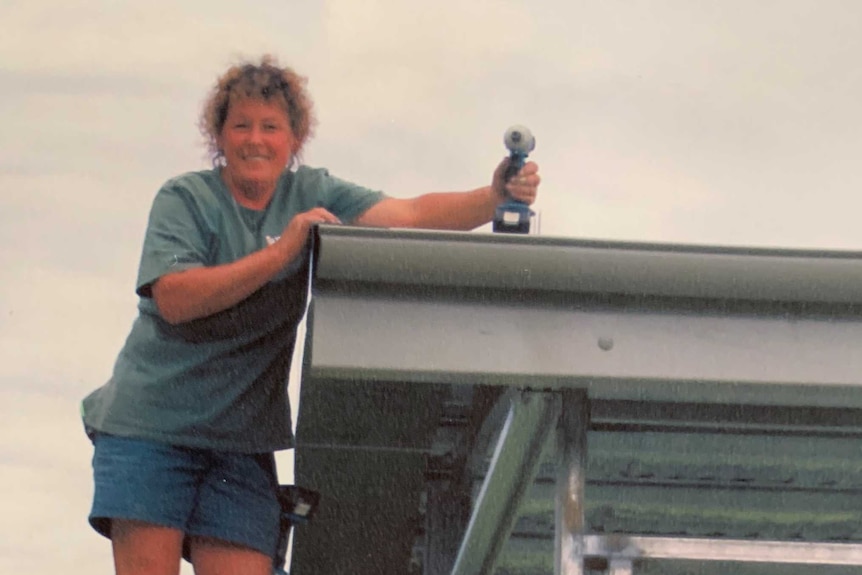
column 455, row 210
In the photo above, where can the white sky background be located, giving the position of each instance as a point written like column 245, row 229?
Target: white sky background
column 713, row 121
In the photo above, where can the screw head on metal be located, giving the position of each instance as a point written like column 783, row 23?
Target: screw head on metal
column 606, row 343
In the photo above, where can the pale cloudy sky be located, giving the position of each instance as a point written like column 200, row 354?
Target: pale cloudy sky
column 697, row 121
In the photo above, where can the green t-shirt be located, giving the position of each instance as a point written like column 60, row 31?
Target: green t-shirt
column 218, row 382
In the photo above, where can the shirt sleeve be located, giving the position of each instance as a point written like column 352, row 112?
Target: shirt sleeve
column 346, row 200
column 176, row 239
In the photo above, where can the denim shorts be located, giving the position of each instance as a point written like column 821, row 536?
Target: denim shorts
column 228, row 496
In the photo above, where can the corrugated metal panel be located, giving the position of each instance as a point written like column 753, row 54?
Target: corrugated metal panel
column 719, row 484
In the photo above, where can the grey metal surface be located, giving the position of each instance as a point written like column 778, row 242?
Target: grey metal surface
column 787, row 552
column 367, row 463
column 427, row 258
column 571, row 480
column 681, row 347
column 532, row 417
column 616, row 353
column 387, row 306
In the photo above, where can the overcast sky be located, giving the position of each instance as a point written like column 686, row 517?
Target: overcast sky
column 713, row 122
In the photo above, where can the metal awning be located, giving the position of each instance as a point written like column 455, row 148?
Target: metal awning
column 565, row 322
column 625, row 321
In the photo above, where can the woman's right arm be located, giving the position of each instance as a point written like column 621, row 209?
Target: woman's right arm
column 200, row 292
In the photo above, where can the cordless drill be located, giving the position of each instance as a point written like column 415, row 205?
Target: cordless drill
column 512, row 216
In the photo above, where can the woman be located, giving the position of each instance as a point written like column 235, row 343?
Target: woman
column 185, row 429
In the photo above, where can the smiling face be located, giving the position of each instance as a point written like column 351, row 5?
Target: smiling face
column 257, row 143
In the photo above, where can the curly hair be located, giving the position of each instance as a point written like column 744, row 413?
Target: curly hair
column 266, row 81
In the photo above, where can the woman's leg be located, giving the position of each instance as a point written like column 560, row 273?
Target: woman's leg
column 216, row 557
column 145, row 549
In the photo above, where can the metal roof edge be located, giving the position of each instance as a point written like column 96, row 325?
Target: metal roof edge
column 634, row 388
column 498, row 261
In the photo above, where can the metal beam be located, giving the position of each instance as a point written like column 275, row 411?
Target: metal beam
column 642, row 322
column 532, row 416
column 621, row 354
column 624, row 547
column 571, row 481
column 431, row 259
